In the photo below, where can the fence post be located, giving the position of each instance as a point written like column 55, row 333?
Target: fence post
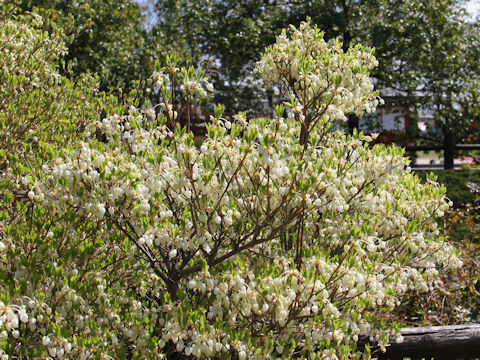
column 449, row 148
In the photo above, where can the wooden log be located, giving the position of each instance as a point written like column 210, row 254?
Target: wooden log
column 438, row 342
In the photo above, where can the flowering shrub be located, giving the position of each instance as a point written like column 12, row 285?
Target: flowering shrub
column 40, row 109
column 457, row 298
column 464, row 222
column 323, row 83
column 456, row 184
column 276, row 238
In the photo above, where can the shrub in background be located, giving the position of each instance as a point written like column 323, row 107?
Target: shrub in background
column 457, row 298
column 41, row 113
column 39, row 108
column 277, row 238
column 456, row 184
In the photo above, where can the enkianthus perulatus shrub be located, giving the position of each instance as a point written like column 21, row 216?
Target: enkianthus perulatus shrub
column 274, row 239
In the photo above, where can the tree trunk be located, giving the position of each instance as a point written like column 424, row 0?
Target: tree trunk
column 449, row 143
column 352, row 123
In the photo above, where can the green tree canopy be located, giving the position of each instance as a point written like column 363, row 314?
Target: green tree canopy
column 106, row 37
column 427, row 51
column 229, row 36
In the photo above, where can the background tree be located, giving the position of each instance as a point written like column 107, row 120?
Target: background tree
column 106, row 37
column 433, row 65
column 421, row 47
column 228, row 36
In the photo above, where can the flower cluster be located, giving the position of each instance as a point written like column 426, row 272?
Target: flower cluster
column 323, row 82
column 193, row 85
column 473, row 187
